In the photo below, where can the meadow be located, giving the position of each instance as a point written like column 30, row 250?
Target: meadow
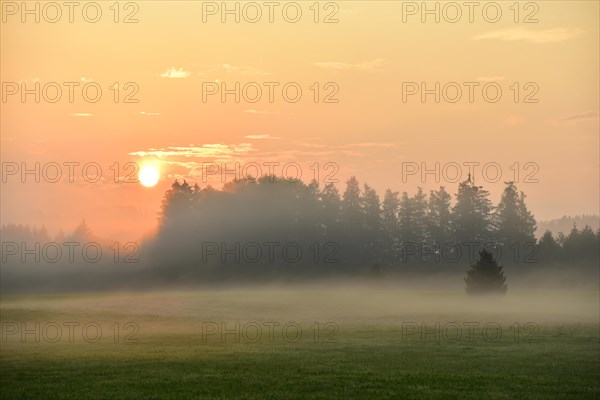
column 300, row 343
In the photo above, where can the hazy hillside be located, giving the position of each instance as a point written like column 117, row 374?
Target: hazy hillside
column 565, row 224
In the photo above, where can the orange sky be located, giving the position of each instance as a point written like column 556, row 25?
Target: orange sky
column 170, row 56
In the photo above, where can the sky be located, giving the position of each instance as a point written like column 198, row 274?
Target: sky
column 340, row 88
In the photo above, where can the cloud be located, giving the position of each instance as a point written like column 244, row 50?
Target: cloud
column 149, row 113
column 80, row 115
column 581, row 116
column 209, row 150
column 533, row 36
column 368, row 66
column 261, row 137
column 175, row 73
column 85, row 79
column 252, row 111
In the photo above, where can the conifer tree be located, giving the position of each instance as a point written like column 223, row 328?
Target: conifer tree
column 485, row 276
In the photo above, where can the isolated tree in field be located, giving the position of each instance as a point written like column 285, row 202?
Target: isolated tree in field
column 485, row 276
column 376, row 272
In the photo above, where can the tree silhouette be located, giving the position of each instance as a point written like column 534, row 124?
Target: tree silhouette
column 439, row 216
column 373, row 227
column 412, row 220
column 485, row 276
column 362, row 228
column 514, row 222
column 472, row 213
column 390, row 208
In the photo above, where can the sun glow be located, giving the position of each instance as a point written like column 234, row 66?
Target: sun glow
column 149, row 175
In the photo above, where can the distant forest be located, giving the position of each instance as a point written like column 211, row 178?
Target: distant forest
column 566, row 223
column 278, row 227
column 352, row 231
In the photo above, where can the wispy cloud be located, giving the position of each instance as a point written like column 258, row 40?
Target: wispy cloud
column 368, row 66
column 534, row 36
column 581, row 116
column 149, row 113
column 261, row 137
column 80, row 115
column 175, row 73
column 209, row 150
column 350, row 145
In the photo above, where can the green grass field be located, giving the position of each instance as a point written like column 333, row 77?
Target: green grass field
column 370, row 343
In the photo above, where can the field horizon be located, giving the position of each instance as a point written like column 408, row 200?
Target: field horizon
column 331, row 342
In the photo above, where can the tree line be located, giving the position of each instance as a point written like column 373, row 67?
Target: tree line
column 350, row 231
column 276, row 226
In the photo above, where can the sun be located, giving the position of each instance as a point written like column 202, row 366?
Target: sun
column 149, row 176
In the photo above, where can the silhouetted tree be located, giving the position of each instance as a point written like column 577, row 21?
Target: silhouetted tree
column 472, row 213
column 330, row 204
column 485, row 276
column 177, row 202
column 82, row 233
column 390, row 208
column 514, row 222
column 439, row 216
column 372, row 222
column 351, row 212
column 549, row 247
column 412, row 219
column 376, row 272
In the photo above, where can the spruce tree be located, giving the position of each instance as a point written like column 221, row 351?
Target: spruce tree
column 472, row 213
column 514, row 222
column 485, row 276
